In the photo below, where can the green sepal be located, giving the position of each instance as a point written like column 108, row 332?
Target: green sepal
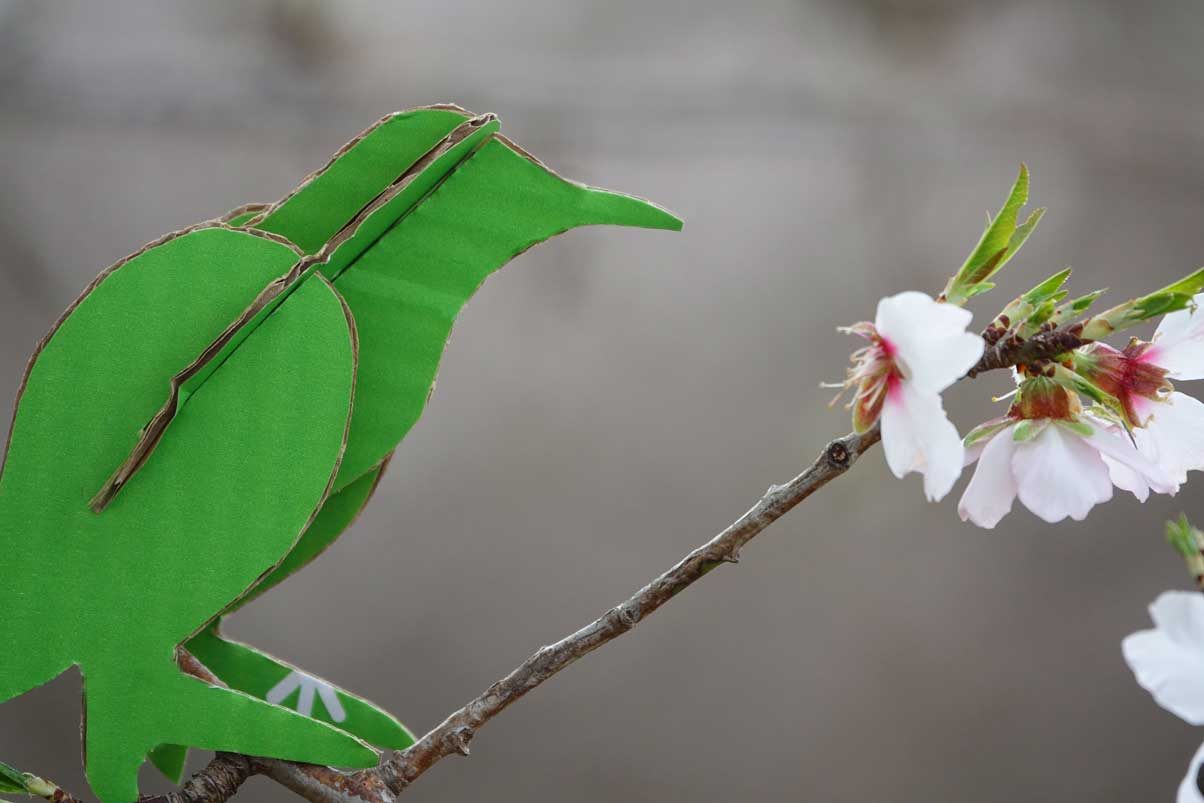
column 1029, row 428
column 1080, row 384
column 987, row 430
column 1077, row 426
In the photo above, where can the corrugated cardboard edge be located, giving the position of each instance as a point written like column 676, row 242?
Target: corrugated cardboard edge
column 354, row 337
column 530, row 157
column 355, row 354
column 155, row 429
column 305, row 182
column 183, row 660
column 158, row 425
column 100, row 278
column 249, row 596
column 239, row 211
column 399, row 184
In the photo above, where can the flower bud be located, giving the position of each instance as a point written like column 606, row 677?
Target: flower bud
column 1136, row 382
column 1042, row 397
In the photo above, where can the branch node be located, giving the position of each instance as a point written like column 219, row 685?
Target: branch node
column 459, row 738
column 837, row 454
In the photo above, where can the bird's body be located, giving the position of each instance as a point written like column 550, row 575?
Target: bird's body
column 266, row 460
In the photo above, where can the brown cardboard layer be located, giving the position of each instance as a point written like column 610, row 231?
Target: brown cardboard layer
column 269, row 209
column 258, row 209
column 458, row 135
column 104, row 274
column 162, row 419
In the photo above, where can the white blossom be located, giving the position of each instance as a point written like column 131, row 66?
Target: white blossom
column 1059, row 468
column 917, row 348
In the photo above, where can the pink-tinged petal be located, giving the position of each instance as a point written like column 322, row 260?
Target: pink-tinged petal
column 1130, row 470
column 1168, row 661
column 1180, row 615
column 973, row 452
column 1127, row 479
column 1189, row 787
column 1179, row 343
column 1174, row 437
column 988, row 497
column 1058, row 474
column 928, row 338
column 918, row 436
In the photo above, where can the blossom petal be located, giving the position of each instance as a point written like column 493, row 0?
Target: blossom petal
column 988, row 497
column 1179, row 343
column 1189, row 788
column 1129, row 469
column 1174, row 437
column 1058, row 474
column 1168, row 661
column 929, row 339
column 918, row 436
column 1127, row 479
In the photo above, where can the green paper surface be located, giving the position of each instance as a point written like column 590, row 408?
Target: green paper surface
column 337, row 514
column 219, row 503
column 407, row 290
column 268, row 678
column 358, row 173
column 409, row 266
column 170, row 759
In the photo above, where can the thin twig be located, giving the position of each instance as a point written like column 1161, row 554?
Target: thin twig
column 217, row 782
column 1010, row 351
column 453, row 735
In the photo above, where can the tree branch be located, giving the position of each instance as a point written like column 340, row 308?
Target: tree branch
column 453, row 735
column 223, row 776
column 1010, row 350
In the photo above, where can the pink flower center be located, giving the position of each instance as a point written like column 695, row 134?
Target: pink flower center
column 874, row 374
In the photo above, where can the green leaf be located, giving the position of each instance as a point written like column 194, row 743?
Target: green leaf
column 998, row 244
column 1075, row 307
column 1190, row 285
column 1171, row 298
column 1048, row 288
column 1021, row 309
column 1183, row 537
column 12, row 781
column 1024, row 230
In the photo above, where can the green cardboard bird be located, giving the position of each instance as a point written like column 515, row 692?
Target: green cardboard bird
column 295, row 345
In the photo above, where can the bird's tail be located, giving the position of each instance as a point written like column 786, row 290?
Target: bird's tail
column 131, row 707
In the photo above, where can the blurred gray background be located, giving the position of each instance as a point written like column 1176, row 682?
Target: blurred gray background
column 614, row 397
